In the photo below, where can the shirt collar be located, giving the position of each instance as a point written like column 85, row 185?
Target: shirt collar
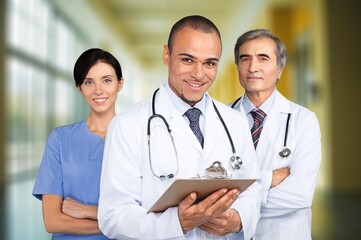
column 265, row 107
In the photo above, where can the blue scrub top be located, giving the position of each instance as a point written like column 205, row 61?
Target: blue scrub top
column 71, row 167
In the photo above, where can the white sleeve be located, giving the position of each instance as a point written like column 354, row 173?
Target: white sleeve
column 120, row 213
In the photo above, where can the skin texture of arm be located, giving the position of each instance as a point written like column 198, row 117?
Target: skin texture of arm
column 56, row 221
column 78, row 210
column 212, row 215
column 279, row 175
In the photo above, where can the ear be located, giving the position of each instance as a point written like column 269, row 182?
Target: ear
column 79, row 89
column 120, row 84
column 166, row 54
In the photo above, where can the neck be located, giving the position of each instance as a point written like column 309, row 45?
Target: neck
column 258, row 98
column 97, row 123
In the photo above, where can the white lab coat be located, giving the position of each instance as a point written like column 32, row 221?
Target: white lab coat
column 129, row 188
column 286, row 208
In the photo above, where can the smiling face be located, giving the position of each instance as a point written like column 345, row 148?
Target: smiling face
column 257, row 67
column 100, row 88
column 192, row 63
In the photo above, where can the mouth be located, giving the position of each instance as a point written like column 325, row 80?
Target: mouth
column 253, row 78
column 100, row 100
column 195, row 85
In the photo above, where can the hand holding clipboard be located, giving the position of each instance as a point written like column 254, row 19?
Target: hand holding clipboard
column 215, row 178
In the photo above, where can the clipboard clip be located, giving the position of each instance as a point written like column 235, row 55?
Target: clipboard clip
column 216, row 170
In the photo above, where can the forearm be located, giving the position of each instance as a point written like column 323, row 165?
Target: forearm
column 91, row 212
column 62, row 223
column 56, row 221
column 76, row 209
column 294, row 193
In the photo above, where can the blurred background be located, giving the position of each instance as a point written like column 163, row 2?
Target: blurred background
column 41, row 40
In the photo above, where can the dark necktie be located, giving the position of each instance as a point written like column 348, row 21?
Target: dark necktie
column 193, row 116
column 258, row 117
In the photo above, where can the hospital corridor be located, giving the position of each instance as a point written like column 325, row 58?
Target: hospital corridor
column 41, row 40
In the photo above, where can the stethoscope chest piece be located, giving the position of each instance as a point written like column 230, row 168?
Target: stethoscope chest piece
column 285, row 152
column 236, row 162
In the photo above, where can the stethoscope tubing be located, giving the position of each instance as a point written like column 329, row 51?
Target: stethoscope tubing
column 225, row 128
column 285, row 152
column 236, row 160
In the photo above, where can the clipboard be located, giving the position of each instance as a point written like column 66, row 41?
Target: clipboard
column 181, row 188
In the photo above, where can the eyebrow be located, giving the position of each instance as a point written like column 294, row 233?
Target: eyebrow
column 193, row 57
column 258, row 55
column 106, row 76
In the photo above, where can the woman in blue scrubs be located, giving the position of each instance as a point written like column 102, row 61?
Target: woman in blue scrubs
column 69, row 175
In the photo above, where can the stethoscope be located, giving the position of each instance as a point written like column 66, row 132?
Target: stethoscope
column 236, row 160
column 285, row 152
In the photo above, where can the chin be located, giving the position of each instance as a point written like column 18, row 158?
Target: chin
column 192, row 101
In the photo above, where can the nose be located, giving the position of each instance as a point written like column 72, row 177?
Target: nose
column 197, row 71
column 253, row 66
column 98, row 89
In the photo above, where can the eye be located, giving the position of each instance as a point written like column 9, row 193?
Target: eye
column 107, row 81
column 88, row 82
column 187, row 60
column 263, row 59
column 211, row 63
column 244, row 59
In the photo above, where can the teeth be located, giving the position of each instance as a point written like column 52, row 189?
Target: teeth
column 194, row 85
column 100, row 100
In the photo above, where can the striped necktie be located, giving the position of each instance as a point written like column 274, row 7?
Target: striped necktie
column 258, row 117
column 193, row 115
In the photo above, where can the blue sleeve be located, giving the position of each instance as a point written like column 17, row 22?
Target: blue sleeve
column 49, row 178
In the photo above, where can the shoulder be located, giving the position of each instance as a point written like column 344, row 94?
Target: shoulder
column 301, row 115
column 132, row 119
column 295, row 108
column 302, row 112
column 69, row 128
column 227, row 110
column 137, row 111
column 62, row 133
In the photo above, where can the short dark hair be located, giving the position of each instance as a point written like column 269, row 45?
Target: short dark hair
column 195, row 22
column 262, row 33
column 89, row 58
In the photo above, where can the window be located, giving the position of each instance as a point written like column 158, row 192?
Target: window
column 41, row 48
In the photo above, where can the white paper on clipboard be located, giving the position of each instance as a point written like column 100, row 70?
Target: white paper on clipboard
column 181, row 188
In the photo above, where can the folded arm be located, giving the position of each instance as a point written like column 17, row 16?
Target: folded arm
column 293, row 188
column 57, row 221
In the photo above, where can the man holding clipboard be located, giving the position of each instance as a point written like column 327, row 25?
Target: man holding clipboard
column 159, row 140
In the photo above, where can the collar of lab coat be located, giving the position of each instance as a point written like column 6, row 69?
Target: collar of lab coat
column 179, row 127
column 273, row 125
column 280, row 105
